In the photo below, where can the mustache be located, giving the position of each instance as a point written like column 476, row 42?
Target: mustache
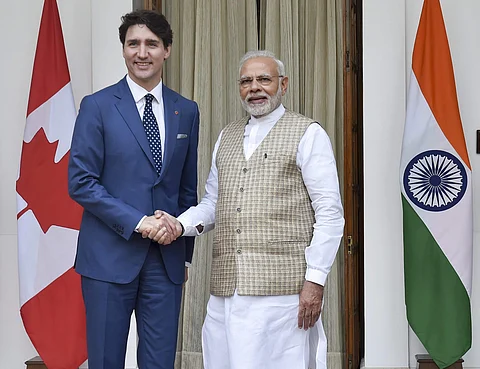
column 251, row 96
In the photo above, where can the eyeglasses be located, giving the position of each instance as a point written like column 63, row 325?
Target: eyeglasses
column 262, row 80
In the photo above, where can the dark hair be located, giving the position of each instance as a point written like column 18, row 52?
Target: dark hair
column 156, row 22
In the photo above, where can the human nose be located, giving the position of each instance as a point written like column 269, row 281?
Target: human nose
column 255, row 85
column 142, row 51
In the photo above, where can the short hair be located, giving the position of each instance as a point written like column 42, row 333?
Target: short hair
column 262, row 54
column 156, row 22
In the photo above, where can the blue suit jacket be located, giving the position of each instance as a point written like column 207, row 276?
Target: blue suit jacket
column 111, row 174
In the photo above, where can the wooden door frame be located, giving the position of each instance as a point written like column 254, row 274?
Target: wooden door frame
column 148, row 4
column 353, row 184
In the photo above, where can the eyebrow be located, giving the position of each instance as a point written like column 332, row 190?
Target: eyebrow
column 260, row 75
column 148, row 40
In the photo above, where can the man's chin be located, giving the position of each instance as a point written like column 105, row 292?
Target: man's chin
column 258, row 110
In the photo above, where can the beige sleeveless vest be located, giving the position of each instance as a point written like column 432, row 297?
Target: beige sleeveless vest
column 264, row 218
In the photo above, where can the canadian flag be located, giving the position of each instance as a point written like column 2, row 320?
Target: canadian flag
column 48, row 220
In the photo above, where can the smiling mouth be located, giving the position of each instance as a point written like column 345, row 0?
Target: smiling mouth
column 142, row 64
column 257, row 100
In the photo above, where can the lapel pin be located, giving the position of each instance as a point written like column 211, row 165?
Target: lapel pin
column 176, row 112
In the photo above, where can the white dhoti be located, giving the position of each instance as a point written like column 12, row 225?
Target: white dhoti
column 260, row 332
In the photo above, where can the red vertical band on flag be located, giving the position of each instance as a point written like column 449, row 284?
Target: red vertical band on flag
column 433, row 68
column 50, row 68
column 55, row 322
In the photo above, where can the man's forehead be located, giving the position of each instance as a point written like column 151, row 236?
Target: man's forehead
column 259, row 66
column 141, row 31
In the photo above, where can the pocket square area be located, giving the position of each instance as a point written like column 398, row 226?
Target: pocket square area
column 181, row 135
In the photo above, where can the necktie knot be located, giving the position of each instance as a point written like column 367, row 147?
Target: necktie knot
column 149, row 98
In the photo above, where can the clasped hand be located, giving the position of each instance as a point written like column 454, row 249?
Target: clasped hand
column 160, row 227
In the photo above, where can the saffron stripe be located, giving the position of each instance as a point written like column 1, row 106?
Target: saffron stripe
column 432, row 65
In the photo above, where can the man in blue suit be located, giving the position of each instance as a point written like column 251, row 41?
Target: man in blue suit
column 134, row 150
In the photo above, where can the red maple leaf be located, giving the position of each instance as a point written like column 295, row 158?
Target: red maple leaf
column 43, row 184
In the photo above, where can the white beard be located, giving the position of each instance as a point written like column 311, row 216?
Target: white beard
column 259, row 110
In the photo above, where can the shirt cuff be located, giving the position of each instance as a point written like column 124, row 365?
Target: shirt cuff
column 192, row 231
column 315, row 276
column 139, row 223
column 187, row 264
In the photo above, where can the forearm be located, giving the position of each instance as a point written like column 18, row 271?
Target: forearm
column 317, row 163
column 202, row 214
column 320, row 255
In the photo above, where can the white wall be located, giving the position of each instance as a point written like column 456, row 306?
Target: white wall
column 19, row 23
column 389, row 32
column 386, row 330
column 15, row 69
column 107, row 63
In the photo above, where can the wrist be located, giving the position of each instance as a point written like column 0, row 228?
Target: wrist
column 182, row 229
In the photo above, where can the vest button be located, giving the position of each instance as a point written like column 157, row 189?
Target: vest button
column 239, row 251
column 241, row 189
column 245, row 170
column 239, row 231
column 239, row 210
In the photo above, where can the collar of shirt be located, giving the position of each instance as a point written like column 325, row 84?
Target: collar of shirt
column 138, row 92
column 270, row 118
column 258, row 128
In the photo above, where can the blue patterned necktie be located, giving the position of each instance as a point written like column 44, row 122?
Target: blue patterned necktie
column 153, row 132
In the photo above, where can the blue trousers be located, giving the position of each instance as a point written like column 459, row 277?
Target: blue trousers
column 109, row 306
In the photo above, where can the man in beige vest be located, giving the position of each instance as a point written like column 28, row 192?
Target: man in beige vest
column 273, row 197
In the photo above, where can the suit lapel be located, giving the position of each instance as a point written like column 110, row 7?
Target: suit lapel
column 128, row 110
column 172, row 120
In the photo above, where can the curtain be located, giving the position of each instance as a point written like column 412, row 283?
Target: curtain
column 307, row 36
column 209, row 38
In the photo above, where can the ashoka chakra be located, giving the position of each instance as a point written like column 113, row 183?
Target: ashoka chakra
column 435, row 180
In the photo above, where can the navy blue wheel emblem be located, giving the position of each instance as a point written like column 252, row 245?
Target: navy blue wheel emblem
column 435, row 180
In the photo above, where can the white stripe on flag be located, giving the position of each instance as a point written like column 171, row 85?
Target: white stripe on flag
column 428, row 136
column 57, row 117
column 43, row 260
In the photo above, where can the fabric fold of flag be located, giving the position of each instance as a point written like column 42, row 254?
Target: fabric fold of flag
column 51, row 302
column 436, row 183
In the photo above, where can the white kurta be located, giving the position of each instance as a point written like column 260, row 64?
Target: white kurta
column 251, row 332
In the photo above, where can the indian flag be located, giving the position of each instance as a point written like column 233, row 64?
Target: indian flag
column 436, row 182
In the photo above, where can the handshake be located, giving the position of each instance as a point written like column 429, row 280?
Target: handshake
column 161, row 227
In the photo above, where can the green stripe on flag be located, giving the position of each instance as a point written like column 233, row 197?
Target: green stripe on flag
column 438, row 306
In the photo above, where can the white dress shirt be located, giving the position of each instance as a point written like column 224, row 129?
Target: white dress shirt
column 138, row 93
column 316, row 162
